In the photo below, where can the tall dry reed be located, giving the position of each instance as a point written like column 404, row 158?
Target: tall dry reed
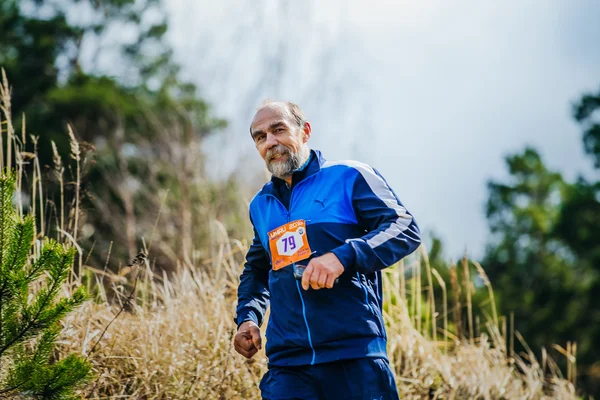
column 175, row 343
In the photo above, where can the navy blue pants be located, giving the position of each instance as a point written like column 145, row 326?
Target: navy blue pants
column 359, row 379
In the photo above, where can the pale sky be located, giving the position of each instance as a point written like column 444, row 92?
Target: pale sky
column 433, row 94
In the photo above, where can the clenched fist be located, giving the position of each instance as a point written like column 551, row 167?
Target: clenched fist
column 322, row 272
column 247, row 340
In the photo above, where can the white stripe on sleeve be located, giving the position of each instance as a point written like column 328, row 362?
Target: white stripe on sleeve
column 384, row 193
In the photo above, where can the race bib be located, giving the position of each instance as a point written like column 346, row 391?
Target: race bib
column 289, row 244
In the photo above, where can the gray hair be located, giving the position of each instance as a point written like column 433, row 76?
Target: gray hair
column 296, row 113
column 292, row 111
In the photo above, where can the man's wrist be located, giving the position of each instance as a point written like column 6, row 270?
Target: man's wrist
column 346, row 255
column 247, row 323
column 245, row 316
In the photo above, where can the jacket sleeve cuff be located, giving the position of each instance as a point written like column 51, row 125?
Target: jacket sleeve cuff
column 347, row 256
column 247, row 315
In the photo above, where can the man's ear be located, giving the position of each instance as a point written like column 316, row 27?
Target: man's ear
column 306, row 131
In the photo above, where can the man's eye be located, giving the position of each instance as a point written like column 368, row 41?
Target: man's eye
column 279, row 130
column 260, row 138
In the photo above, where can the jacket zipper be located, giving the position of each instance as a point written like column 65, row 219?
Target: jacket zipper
column 289, row 212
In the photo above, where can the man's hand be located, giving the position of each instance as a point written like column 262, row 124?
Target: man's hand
column 322, row 272
column 247, row 340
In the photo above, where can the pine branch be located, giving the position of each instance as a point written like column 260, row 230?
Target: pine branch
column 20, row 245
column 19, row 252
column 64, row 375
column 29, row 373
column 46, row 344
column 7, row 189
column 11, row 389
column 6, row 217
column 33, row 324
column 48, row 254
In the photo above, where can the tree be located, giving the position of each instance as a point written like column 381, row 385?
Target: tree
column 30, row 319
column 585, row 112
column 46, row 54
column 579, row 221
column 122, row 113
column 532, row 270
column 544, row 254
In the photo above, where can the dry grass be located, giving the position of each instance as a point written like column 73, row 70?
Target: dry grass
column 173, row 339
column 176, row 344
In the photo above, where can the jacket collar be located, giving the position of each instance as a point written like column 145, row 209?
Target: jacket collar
column 314, row 164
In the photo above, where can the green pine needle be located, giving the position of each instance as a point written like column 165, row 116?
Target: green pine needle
column 31, row 309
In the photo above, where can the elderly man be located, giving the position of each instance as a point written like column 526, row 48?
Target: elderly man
column 323, row 231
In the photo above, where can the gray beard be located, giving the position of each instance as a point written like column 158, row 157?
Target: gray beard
column 284, row 169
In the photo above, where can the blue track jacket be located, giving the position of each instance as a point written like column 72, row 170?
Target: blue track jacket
column 351, row 211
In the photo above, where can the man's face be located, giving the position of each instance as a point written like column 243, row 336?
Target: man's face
column 279, row 140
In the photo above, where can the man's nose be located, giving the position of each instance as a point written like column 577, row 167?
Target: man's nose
column 271, row 141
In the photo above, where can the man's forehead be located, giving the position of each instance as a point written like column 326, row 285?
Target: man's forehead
column 268, row 115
